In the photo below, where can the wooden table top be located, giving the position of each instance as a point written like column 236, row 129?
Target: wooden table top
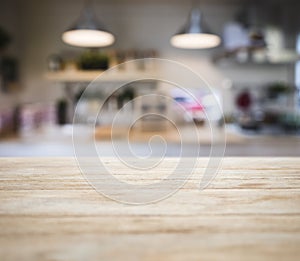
column 251, row 211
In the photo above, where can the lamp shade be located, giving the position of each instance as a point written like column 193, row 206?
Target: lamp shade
column 88, row 32
column 195, row 35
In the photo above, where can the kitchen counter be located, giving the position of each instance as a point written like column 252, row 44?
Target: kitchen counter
column 57, row 142
column 251, row 211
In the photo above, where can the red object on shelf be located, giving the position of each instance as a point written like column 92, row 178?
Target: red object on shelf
column 244, row 100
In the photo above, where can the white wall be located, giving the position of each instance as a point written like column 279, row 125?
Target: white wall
column 136, row 24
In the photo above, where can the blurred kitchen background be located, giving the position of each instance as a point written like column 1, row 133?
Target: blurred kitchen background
column 250, row 58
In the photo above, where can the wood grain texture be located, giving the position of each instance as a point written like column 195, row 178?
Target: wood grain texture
column 251, row 211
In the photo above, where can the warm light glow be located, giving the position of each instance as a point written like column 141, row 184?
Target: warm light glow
column 88, row 38
column 195, row 41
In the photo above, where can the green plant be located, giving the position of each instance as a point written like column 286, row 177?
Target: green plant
column 93, row 60
column 276, row 89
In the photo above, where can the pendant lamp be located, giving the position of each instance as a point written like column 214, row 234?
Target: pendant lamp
column 195, row 35
column 87, row 31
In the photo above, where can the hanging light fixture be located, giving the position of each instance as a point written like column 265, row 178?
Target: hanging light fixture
column 87, row 31
column 194, row 35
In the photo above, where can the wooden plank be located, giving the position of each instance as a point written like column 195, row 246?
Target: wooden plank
column 251, row 211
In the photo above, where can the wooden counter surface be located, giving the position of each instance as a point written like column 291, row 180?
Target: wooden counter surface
column 251, row 211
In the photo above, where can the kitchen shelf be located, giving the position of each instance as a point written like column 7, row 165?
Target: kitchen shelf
column 73, row 76
column 227, row 58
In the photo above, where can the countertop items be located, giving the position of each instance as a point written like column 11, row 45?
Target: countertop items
column 251, row 211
